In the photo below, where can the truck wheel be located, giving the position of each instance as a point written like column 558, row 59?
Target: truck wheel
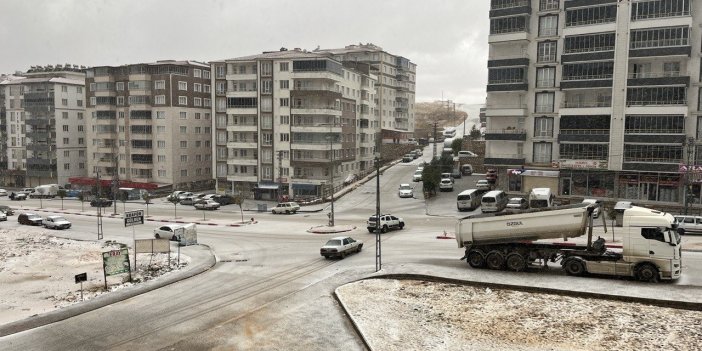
column 516, row 262
column 475, row 259
column 495, row 260
column 574, row 267
column 646, row 272
column 384, row 229
column 402, row 225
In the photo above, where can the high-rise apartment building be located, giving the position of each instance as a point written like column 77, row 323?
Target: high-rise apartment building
column 43, row 136
column 595, row 98
column 291, row 122
column 149, row 125
column 395, row 89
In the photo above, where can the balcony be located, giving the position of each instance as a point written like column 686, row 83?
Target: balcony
column 242, row 177
column 242, row 161
column 584, row 135
column 600, row 106
column 320, row 91
column 314, row 145
column 657, row 78
column 507, row 85
column 586, row 81
column 242, row 144
column 315, row 109
column 660, row 47
column 509, row 35
column 506, row 134
column 249, row 127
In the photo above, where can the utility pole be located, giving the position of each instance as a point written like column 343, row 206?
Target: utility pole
column 99, row 207
column 686, row 191
column 433, row 156
column 331, row 182
column 378, row 252
column 280, row 173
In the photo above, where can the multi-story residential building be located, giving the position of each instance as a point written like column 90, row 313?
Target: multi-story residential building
column 149, row 125
column 595, row 98
column 43, row 133
column 395, row 90
column 289, row 123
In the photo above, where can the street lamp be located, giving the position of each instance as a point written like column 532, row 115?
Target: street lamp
column 331, row 173
column 686, row 190
column 378, row 260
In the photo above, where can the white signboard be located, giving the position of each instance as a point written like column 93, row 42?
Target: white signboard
column 583, row 164
column 133, row 218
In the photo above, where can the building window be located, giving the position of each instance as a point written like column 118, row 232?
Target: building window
column 546, row 77
column 654, row 124
column 659, row 8
column 656, row 96
column 65, row 141
column 284, row 102
column 183, row 144
column 80, row 128
column 160, row 114
column 548, row 26
column 183, row 100
column 160, row 129
column 671, row 69
column 589, row 43
column 544, row 102
column 206, row 88
column 160, row 84
column 161, row 158
column 284, row 137
column 161, row 144
column 284, row 84
column 66, row 166
column 197, row 73
column 183, row 172
column 653, row 153
column 504, row 76
column 119, row 85
column 591, row 15
column 161, row 173
column 183, row 158
column 80, row 115
column 659, row 37
column 546, row 5
column 64, row 115
column 197, row 87
column 160, row 99
column 197, row 102
column 183, row 130
column 208, row 102
column 542, row 152
column 182, row 85
column 64, row 89
column 543, row 127
column 64, row 102
column 206, row 74
column 120, row 101
column 508, row 25
column 284, row 119
column 266, row 86
column 66, row 153
column 65, row 128
column 588, row 70
column 79, row 103
column 546, row 52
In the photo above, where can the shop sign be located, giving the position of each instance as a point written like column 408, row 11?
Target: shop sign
column 582, row 164
column 540, row 173
column 693, row 168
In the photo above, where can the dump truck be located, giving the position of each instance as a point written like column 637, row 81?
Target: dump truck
column 650, row 249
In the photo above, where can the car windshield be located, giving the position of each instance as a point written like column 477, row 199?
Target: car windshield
column 515, row 201
column 33, row 216
column 56, row 219
column 405, row 187
column 333, row 243
column 488, row 199
column 482, row 182
column 675, row 236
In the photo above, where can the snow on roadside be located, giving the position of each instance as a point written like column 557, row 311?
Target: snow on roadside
column 37, row 271
column 417, row 315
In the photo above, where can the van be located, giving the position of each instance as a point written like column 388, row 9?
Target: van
column 467, row 169
column 689, row 224
column 494, row 201
column 468, row 200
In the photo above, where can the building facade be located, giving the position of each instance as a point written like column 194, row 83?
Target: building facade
column 292, row 124
column 150, row 126
column 395, row 90
column 595, row 98
column 43, row 126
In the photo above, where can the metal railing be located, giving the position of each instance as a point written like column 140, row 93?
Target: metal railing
column 509, row 30
column 592, row 49
column 659, row 43
column 655, row 74
column 681, row 13
column 584, row 131
column 507, row 81
column 591, row 21
column 588, row 77
column 548, row 108
column 505, row 156
column 656, row 102
column 496, row 105
column 508, row 130
column 510, row 4
column 586, row 104
column 653, row 131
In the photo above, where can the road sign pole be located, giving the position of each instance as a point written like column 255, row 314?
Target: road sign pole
column 81, row 291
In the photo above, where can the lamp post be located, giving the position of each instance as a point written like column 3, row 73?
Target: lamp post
column 378, row 258
column 686, row 190
column 331, row 173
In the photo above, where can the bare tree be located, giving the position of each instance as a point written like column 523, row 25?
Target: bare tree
column 147, row 199
column 61, row 193
column 175, row 201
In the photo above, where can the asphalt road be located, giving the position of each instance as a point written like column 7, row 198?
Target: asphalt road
column 270, row 288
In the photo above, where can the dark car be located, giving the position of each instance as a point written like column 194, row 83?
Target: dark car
column 8, row 211
column 18, row 196
column 456, row 173
column 223, row 199
column 29, row 219
column 101, row 202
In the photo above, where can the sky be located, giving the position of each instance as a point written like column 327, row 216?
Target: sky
column 447, row 39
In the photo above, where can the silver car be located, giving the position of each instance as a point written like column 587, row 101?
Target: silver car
column 340, row 247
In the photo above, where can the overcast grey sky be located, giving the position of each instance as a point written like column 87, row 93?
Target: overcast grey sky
column 447, row 39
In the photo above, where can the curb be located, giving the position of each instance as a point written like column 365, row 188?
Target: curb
column 105, row 299
column 351, row 318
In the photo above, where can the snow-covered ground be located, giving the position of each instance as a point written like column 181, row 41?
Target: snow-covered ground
column 37, row 271
column 417, row 315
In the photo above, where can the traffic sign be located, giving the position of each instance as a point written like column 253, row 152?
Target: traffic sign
column 133, row 218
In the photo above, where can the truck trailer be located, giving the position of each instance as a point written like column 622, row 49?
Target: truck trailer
column 650, row 250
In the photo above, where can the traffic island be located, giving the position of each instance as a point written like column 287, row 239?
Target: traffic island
column 324, row 229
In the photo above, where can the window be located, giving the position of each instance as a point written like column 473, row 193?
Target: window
column 160, row 114
column 670, row 154
column 284, row 137
column 65, row 141
column 208, row 102
column 546, row 77
column 183, row 100
column 653, row 234
column 119, row 85
column 79, row 103
column 656, row 96
column 65, row 128
column 66, row 153
column 197, row 101
column 183, row 115
column 284, row 119
column 64, row 102
column 197, row 73
column 542, row 152
column 161, row 158
column 183, row 158
column 266, row 86
column 548, row 26
column 671, row 69
column 183, row 172
column 64, row 115
column 284, row 66
column 79, row 90
column 504, row 76
column 284, row 84
column 197, row 87
column 161, row 144
column 659, row 8
column 80, row 115
column 120, row 101
column 182, row 85
column 284, row 102
column 544, row 102
column 183, row 144
column 160, row 84
column 588, row 70
column 206, row 88
column 80, row 128
column 543, row 127
column 183, row 130
column 659, row 37
column 93, row 100
column 589, row 43
column 81, row 141
column 545, row 5
column 161, row 173
column 584, row 151
column 160, row 129
column 206, row 74
column 591, row 15
column 546, row 51
column 64, row 89
column 198, row 130
column 654, row 124
column 512, row 24
column 160, row 99
column 66, row 166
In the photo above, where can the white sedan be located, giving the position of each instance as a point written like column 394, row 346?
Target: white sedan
column 3, row 216
column 56, row 222
column 3, row 192
column 405, row 191
column 207, row 205
column 340, row 247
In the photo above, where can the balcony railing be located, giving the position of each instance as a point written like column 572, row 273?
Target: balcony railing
column 588, row 77
column 509, row 105
column 505, row 156
column 510, row 4
column 584, row 131
column 507, row 130
column 584, row 156
column 659, row 43
column 587, row 104
column 592, row 49
column 655, row 74
column 680, row 13
column 508, row 81
column 547, row 108
column 591, row 21
column 657, row 102
column 653, row 131
column 508, row 30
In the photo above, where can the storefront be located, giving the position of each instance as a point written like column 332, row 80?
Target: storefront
column 523, row 180
column 643, row 186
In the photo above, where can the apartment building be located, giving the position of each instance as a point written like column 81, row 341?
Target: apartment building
column 149, row 126
column 43, row 135
column 292, row 123
column 595, row 98
column 395, row 89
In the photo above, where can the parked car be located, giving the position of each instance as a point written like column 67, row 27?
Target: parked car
column 446, row 184
column 405, row 191
column 596, row 211
column 100, row 202
column 184, row 195
column 340, row 247
column 223, row 199
column 456, row 174
column 407, row 158
column 414, row 154
column 18, row 196
column 168, row 231
column 7, row 210
column 446, row 175
column 467, row 169
column 517, row 203
column 419, row 152
column 387, row 221
column 56, row 222
column 188, row 200
column 286, row 207
column 417, row 177
column 689, row 224
column 3, row 216
column 29, row 219
column 26, row 191
column 207, row 205
column 482, row 185
column 466, row 154
column 3, row 192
